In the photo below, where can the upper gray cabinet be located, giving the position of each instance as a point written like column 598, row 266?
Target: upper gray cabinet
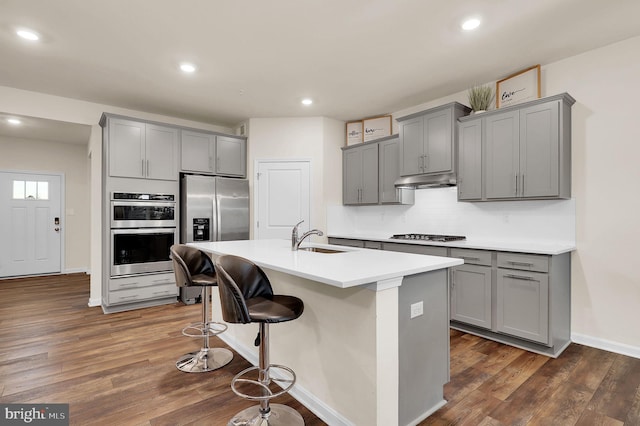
column 198, row 151
column 231, row 156
column 427, row 140
column 142, row 150
column 204, row 152
column 525, row 152
column 390, row 172
column 360, row 175
column 370, row 171
column 470, row 160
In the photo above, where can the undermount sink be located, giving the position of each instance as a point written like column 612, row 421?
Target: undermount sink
column 321, row 250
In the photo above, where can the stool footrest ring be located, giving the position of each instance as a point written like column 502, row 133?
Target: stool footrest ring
column 285, row 383
column 200, row 329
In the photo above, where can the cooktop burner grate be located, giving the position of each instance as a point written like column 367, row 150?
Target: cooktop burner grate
column 429, row 237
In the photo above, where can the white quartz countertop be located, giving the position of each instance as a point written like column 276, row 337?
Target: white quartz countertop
column 352, row 267
column 533, row 247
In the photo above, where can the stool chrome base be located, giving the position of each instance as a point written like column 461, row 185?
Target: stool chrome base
column 206, row 359
column 279, row 415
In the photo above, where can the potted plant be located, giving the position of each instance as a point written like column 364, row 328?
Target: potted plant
column 480, row 98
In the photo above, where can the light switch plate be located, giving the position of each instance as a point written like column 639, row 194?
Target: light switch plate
column 416, row 309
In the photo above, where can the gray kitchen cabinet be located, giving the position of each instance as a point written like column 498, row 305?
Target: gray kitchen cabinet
column 427, row 140
column 470, row 160
column 142, row 150
column 360, row 175
column 471, row 288
column 502, row 155
column 526, row 152
column 471, row 295
column 204, row 152
column 231, row 156
column 198, row 151
column 390, row 172
column 522, row 308
column 142, row 290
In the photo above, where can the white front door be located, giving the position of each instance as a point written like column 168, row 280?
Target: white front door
column 282, row 197
column 30, row 223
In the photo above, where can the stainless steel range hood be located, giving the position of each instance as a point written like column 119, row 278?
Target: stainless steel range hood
column 426, row 181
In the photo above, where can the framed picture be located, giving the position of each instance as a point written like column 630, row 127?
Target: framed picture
column 354, row 132
column 377, row 127
column 519, row 87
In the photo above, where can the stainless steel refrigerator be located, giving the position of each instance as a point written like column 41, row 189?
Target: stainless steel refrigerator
column 212, row 209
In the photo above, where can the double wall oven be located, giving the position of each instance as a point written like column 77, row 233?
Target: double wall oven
column 143, row 228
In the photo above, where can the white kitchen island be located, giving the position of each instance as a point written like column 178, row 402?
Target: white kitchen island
column 359, row 357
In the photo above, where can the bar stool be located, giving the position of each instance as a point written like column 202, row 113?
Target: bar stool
column 194, row 268
column 247, row 297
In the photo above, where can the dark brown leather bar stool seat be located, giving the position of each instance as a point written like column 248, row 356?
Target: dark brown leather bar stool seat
column 193, row 267
column 246, row 297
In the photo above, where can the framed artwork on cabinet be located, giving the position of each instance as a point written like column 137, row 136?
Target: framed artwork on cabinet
column 354, row 132
column 520, row 87
column 377, row 127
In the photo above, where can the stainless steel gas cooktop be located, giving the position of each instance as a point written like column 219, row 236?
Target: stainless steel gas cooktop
column 429, row 237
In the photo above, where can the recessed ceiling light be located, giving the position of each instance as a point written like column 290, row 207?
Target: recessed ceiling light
column 28, row 35
column 307, row 101
column 470, row 24
column 187, row 67
column 14, row 121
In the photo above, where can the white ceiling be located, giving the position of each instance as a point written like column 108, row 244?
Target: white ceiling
column 355, row 58
column 43, row 129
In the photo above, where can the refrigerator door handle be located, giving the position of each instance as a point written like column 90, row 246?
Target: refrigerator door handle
column 217, row 219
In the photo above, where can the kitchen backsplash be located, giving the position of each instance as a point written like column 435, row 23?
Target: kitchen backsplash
column 437, row 211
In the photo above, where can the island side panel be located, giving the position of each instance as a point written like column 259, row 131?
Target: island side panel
column 331, row 347
column 423, row 345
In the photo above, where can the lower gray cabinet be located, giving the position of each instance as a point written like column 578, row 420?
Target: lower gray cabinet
column 471, row 295
column 522, row 308
column 415, row 248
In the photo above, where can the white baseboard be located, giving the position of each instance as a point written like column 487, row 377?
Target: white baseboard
column 306, row 398
column 95, row 302
column 76, row 271
column 606, row 345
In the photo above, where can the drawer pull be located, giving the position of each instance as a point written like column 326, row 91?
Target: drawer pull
column 162, row 292
column 135, row 296
column 513, row 262
column 163, row 280
column 519, row 277
column 469, row 258
column 129, row 285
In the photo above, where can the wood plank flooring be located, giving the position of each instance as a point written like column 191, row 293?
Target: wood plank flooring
column 119, row 369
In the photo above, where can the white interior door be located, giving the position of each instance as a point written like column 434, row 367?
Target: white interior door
column 282, row 194
column 30, row 223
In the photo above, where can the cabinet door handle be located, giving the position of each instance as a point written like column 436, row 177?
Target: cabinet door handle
column 142, row 167
column 519, row 277
column 523, row 184
column 147, row 167
column 516, row 176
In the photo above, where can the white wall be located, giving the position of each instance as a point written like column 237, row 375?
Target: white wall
column 70, row 159
column 606, row 148
column 315, row 138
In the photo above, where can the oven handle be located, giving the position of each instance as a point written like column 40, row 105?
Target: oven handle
column 143, row 231
column 144, row 203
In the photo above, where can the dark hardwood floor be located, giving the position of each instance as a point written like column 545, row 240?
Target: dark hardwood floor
column 119, row 369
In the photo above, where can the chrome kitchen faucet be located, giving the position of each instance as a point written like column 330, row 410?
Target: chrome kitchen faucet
column 295, row 242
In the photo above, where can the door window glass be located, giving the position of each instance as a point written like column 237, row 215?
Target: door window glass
column 30, row 190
